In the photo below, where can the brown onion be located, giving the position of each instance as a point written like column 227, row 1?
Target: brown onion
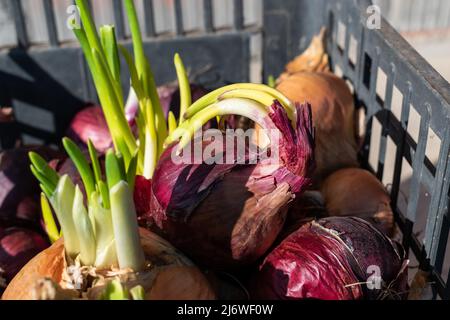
column 174, row 277
column 333, row 116
column 358, row 193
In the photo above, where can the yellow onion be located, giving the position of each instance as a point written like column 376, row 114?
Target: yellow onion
column 358, row 193
column 169, row 275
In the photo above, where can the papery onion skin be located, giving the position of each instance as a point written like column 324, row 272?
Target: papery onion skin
column 18, row 246
column 328, row 259
column 19, row 190
column 333, row 116
column 177, row 278
column 357, row 192
column 226, row 216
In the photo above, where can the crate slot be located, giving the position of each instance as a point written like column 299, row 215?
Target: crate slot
column 381, row 86
column 340, row 37
column 389, row 161
column 397, row 103
column 353, row 52
column 433, row 147
column 406, row 174
column 223, row 14
column 375, row 140
column 367, row 70
column 414, row 123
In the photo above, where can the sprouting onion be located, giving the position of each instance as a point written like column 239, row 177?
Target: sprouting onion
column 105, row 233
column 102, row 54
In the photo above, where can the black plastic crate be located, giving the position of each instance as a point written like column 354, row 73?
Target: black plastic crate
column 47, row 85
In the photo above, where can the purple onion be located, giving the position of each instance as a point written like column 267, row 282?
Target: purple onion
column 18, row 246
column 333, row 259
column 228, row 215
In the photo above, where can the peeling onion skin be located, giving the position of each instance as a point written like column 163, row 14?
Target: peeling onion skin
column 225, row 216
column 327, row 259
column 333, row 116
column 358, row 193
column 177, row 278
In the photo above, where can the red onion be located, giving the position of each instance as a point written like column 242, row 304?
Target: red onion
column 17, row 247
column 90, row 123
column 333, row 258
column 228, row 215
column 19, row 190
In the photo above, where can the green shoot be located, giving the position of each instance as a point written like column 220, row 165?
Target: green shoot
column 62, row 202
column 84, row 230
column 81, row 164
column 185, row 88
column 49, row 221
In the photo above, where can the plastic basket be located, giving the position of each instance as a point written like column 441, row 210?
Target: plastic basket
column 406, row 102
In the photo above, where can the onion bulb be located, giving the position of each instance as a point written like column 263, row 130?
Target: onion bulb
column 358, row 193
column 333, row 259
column 228, row 215
column 307, row 79
column 171, row 277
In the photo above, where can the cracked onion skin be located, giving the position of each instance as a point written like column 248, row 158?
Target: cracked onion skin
column 177, row 279
column 225, row 216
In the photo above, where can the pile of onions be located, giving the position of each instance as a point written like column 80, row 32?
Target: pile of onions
column 226, row 216
column 357, row 192
column 17, row 246
column 102, row 247
column 19, row 191
column 333, row 259
column 332, row 104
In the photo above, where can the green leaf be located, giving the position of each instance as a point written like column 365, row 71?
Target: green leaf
column 42, row 166
column 48, row 185
column 49, row 221
column 185, row 87
column 81, row 164
column 109, row 43
column 131, row 172
column 115, row 170
column 172, row 122
column 135, row 82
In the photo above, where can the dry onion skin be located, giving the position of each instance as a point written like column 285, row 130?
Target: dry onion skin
column 170, row 276
column 226, row 216
column 333, row 259
column 357, row 192
column 332, row 106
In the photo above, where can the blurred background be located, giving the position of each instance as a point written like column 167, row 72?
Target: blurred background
column 424, row 23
